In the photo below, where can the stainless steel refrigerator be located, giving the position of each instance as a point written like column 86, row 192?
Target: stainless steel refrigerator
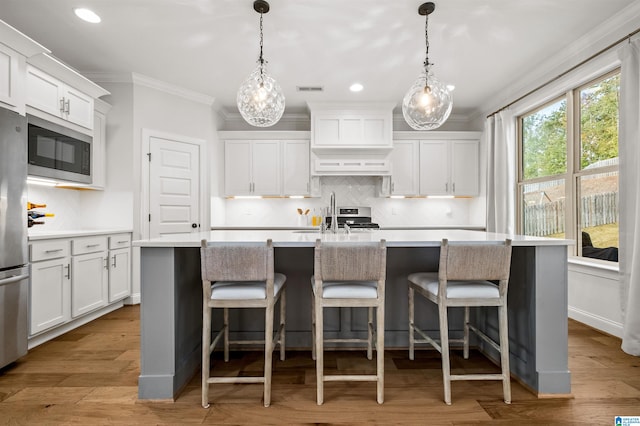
column 14, row 268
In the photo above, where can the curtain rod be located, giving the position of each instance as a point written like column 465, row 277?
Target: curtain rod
column 562, row 74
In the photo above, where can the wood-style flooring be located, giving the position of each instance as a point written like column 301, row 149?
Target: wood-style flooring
column 89, row 376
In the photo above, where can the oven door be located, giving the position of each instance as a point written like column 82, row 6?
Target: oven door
column 57, row 152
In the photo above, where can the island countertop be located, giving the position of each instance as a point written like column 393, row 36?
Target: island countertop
column 307, row 238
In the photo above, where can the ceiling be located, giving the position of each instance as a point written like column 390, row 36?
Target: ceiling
column 210, row 46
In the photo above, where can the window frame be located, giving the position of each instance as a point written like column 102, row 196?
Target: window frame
column 573, row 171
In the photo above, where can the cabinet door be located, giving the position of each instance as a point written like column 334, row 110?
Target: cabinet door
column 434, row 168
column 119, row 274
column 49, row 294
column 98, row 151
column 78, row 107
column 89, row 289
column 464, row 168
column 9, row 74
column 404, row 168
column 44, row 92
column 237, row 168
column 266, row 167
column 295, row 167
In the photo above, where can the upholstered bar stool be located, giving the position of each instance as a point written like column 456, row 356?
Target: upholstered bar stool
column 349, row 275
column 464, row 279
column 240, row 275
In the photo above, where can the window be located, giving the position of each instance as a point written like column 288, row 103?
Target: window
column 568, row 168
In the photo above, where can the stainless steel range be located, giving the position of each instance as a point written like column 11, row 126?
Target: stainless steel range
column 354, row 217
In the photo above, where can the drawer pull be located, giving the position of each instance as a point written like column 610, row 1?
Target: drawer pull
column 53, row 251
column 92, row 245
column 122, row 242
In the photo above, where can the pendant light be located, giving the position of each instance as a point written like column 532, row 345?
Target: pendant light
column 427, row 104
column 260, row 98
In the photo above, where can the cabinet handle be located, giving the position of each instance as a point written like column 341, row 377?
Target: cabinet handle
column 106, row 263
column 446, row 187
column 123, row 241
column 62, row 105
column 92, row 245
column 308, row 189
column 67, row 104
column 68, row 270
column 114, row 261
column 454, row 187
column 53, row 251
column 393, row 186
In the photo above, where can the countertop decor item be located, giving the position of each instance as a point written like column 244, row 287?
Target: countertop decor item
column 428, row 103
column 260, row 98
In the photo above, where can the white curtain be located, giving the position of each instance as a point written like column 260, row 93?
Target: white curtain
column 629, row 153
column 500, row 137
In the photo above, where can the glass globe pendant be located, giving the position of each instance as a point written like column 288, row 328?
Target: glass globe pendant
column 428, row 102
column 260, row 99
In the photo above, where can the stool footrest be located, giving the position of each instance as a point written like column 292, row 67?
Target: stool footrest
column 351, row 378
column 235, row 380
column 476, row 377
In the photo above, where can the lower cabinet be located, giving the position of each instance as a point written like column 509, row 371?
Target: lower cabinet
column 72, row 277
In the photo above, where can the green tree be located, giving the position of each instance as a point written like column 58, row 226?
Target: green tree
column 599, row 121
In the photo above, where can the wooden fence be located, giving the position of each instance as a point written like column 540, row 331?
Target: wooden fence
column 548, row 218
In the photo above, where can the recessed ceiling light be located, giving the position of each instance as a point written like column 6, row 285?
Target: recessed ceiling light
column 356, row 87
column 451, row 87
column 87, row 15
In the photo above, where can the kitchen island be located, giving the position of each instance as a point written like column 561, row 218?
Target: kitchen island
column 171, row 302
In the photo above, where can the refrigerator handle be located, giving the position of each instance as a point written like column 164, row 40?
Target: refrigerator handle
column 14, row 279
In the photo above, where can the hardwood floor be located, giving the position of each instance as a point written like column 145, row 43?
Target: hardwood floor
column 89, row 376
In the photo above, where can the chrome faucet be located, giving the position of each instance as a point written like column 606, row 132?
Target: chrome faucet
column 334, row 213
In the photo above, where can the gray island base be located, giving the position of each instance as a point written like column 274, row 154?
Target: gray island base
column 171, row 302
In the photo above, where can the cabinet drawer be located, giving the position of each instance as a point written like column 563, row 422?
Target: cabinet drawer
column 50, row 249
column 119, row 241
column 88, row 245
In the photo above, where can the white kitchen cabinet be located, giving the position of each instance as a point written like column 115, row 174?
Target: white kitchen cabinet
column 10, row 95
column 405, row 168
column 52, row 96
column 50, row 285
column 449, row 167
column 98, row 145
column 89, row 274
column 252, row 167
column 351, row 126
column 295, row 167
column 119, row 266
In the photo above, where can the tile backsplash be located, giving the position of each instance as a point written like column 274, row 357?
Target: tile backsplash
column 354, row 191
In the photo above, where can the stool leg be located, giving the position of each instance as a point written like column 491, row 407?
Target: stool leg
column 380, row 350
column 370, row 333
column 504, row 353
column 206, row 352
column 283, row 322
column 319, row 344
column 226, row 334
column 412, row 340
column 444, row 343
column 466, row 333
column 268, row 352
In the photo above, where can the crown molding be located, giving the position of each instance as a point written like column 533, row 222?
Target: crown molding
column 143, row 80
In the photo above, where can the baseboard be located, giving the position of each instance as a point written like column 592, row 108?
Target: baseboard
column 134, row 299
column 596, row 321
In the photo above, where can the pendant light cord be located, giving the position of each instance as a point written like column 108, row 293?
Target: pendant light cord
column 426, row 37
column 261, row 60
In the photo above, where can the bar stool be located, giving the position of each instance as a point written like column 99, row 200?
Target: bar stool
column 240, row 275
column 349, row 275
column 463, row 280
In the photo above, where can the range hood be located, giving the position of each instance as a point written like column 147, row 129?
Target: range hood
column 351, row 139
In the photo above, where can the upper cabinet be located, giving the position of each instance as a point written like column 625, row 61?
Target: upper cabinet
column 351, row 126
column 434, row 163
column 15, row 48
column 266, row 163
column 61, row 95
column 99, row 145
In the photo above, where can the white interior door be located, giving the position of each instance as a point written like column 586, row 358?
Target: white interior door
column 174, row 186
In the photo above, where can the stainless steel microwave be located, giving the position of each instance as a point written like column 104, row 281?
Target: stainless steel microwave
column 57, row 152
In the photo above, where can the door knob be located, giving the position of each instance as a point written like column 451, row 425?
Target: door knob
column 194, row 225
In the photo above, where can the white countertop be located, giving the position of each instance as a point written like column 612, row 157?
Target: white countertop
column 46, row 235
column 307, row 238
